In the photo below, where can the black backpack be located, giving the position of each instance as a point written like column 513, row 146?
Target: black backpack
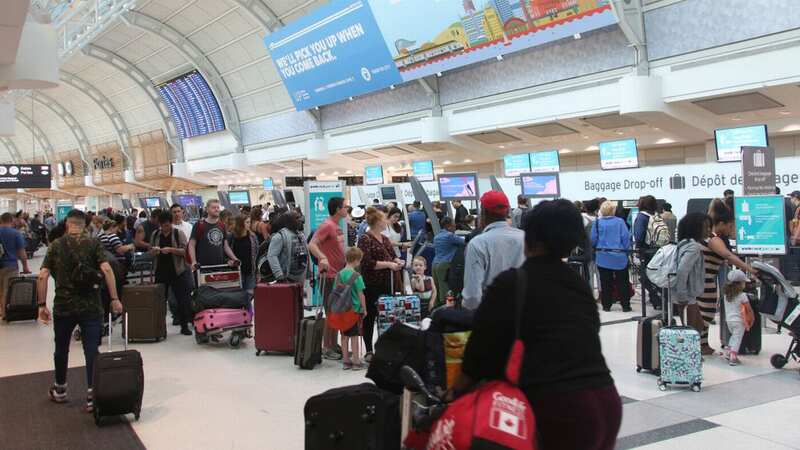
column 264, row 270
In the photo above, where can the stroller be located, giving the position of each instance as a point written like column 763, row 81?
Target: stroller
column 779, row 303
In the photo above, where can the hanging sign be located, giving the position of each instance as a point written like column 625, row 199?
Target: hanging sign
column 760, row 225
column 758, row 171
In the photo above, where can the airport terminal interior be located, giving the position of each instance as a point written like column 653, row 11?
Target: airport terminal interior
column 304, row 219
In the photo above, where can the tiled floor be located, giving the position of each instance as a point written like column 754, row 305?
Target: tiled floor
column 214, row 397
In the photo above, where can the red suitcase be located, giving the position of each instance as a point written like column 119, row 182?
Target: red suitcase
column 278, row 309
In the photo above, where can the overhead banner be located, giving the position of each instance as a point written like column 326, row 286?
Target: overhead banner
column 674, row 183
column 21, row 176
column 758, row 170
column 351, row 47
column 760, row 225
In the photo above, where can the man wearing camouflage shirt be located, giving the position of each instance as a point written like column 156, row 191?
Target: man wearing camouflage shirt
column 77, row 300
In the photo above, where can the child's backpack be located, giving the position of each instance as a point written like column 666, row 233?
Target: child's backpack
column 341, row 315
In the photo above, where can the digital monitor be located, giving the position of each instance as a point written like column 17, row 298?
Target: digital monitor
column 514, row 165
column 152, row 202
column 729, row 141
column 239, row 197
column 297, row 181
column 542, row 162
column 540, row 185
column 189, row 200
column 388, row 193
column 621, row 154
column 268, row 184
column 352, row 181
column 423, row 170
column 289, row 195
column 373, row 175
column 192, row 104
column 458, row 186
column 20, row 176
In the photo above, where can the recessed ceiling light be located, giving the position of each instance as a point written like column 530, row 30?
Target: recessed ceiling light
column 656, row 129
column 619, row 133
column 586, row 137
column 322, row 174
column 565, row 150
column 592, row 148
column 501, row 146
column 786, row 113
column 336, row 173
column 349, row 171
column 467, row 160
column 391, row 168
column 736, row 119
column 665, row 140
column 446, row 163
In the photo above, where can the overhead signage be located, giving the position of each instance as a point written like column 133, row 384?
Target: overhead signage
column 423, row 170
column 540, row 185
column 373, row 175
column 729, row 141
column 514, row 165
column 21, row 176
column 760, row 225
column 239, row 197
column 619, row 154
column 103, row 162
column 268, row 184
column 192, row 105
column 351, row 47
column 758, row 171
column 542, row 162
column 62, row 209
column 318, row 194
column 458, row 186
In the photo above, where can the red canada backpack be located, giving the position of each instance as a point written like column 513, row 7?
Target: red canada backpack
column 496, row 415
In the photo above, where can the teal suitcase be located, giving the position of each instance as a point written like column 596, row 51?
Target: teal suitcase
column 680, row 359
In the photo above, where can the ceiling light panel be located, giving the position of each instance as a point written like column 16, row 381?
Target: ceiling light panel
column 548, row 130
column 494, row 137
column 361, row 156
column 393, row 151
column 430, row 146
column 611, row 121
column 732, row 104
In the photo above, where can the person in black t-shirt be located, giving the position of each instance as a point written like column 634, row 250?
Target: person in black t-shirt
column 564, row 374
column 168, row 245
column 145, row 231
column 208, row 245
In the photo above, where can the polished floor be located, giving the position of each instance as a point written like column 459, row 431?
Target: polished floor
column 215, row 397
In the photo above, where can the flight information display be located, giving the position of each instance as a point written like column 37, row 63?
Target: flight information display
column 192, row 105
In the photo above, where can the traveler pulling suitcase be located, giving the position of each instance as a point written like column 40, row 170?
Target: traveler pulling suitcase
column 680, row 360
column 146, row 303
column 117, row 380
column 21, row 300
column 278, row 310
column 360, row 417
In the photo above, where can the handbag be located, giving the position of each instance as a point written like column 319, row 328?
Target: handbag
column 497, row 413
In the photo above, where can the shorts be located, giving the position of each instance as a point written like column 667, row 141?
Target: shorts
column 353, row 332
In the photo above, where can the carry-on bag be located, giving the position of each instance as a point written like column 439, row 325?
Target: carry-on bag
column 647, row 347
column 397, row 308
column 117, row 380
column 146, row 303
column 680, row 359
column 309, row 342
column 360, row 417
column 21, row 299
column 751, row 341
column 278, row 310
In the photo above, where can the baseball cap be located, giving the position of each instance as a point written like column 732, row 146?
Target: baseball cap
column 795, row 194
column 737, row 275
column 357, row 212
column 495, row 202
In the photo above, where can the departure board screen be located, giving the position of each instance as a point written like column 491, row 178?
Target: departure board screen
column 192, row 105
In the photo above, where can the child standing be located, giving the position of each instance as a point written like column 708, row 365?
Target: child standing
column 351, row 337
column 423, row 286
column 736, row 300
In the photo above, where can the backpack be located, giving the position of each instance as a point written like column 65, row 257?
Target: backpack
column 657, row 232
column 663, row 267
column 341, row 315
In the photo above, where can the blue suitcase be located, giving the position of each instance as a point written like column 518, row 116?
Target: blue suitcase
column 680, row 357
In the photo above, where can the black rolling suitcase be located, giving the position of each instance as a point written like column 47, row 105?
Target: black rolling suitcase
column 360, row 417
column 751, row 341
column 21, row 299
column 308, row 351
column 117, row 381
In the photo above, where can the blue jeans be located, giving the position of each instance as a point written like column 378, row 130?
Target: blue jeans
column 91, row 334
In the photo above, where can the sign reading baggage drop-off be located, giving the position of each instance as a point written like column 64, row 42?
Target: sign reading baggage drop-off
column 758, row 171
column 318, row 194
column 760, row 225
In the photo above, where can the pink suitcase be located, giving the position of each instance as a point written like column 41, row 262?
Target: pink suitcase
column 212, row 323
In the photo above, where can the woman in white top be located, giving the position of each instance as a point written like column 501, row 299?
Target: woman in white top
column 394, row 231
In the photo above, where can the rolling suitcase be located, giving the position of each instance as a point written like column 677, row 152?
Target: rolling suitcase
column 309, row 342
column 147, row 306
column 751, row 341
column 397, row 308
column 21, row 299
column 117, row 381
column 647, row 352
column 278, row 309
column 360, row 417
column 680, row 359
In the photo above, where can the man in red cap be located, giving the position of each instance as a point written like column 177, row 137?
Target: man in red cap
column 500, row 247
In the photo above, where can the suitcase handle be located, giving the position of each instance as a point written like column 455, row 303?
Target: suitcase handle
column 111, row 330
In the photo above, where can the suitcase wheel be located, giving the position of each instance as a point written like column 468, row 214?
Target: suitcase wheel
column 235, row 340
column 778, row 361
column 696, row 387
column 638, row 369
column 258, row 352
column 661, row 385
column 200, row 338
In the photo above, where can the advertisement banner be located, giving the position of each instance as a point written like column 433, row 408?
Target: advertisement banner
column 351, row 47
column 675, row 183
column 760, row 225
column 318, row 193
column 758, row 170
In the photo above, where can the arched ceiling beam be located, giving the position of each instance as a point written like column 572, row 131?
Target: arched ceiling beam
column 139, row 77
column 73, row 125
column 262, row 13
column 13, row 151
column 39, row 135
column 123, row 135
column 194, row 55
